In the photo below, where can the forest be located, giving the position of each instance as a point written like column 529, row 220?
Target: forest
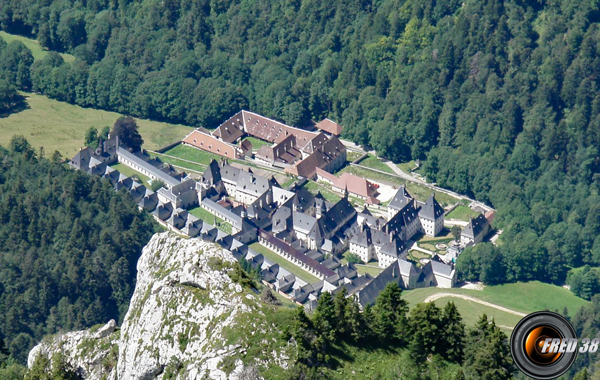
column 498, row 98
column 69, row 246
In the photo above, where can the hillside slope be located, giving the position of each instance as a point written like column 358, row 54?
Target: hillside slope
column 183, row 322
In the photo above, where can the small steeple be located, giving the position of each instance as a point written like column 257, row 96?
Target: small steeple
column 346, row 190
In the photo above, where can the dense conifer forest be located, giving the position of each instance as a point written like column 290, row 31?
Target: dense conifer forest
column 69, row 246
column 498, row 98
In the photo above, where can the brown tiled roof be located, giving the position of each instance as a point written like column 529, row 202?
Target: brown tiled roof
column 230, row 130
column 354, row 184
column 330, row 127
column 211, row 144
column 284, row 151
column 270, row 130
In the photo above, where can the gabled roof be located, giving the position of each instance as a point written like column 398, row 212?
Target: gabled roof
column 441, row 269
column 402, row 219
column 304, row 199
column 400, row 199
column 336, row 217
column 370, row 292
column 303, row 222
column 329, row 126
column 158, row 173
column 475, row 227
column 228, row 132
column 212, row 174
column 431, row 209
column 362, row 236
column 316, row 143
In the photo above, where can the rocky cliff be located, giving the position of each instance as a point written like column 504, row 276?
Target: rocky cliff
column 187, row 319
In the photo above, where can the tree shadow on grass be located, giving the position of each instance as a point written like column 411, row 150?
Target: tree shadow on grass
column 15, row 108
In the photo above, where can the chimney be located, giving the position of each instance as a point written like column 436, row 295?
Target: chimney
column 391, row 238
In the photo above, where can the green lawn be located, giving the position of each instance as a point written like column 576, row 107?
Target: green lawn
column 370, row 269
column 190, row 153
column 61, row 126
column 375, row 163
column 256, row 143
column 525, row 297
column 422, row 193
column 288, row 182
column 180, row 163
column 406, row 166
column 463, row 213
column 36, row 50
column 209, row 218
column 129, row 172
column 329, row 195
column 472, row 311
column 352, row 155
column 293, row 268
column 362, row 269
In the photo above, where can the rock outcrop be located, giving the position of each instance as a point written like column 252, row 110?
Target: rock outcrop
column 187, row 319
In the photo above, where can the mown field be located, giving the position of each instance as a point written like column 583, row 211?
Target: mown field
column 61, row 126
column 522, row 297
column 36, row 50
column 463, row 213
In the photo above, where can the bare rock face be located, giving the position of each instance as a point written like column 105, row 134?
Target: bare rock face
column 183, row 321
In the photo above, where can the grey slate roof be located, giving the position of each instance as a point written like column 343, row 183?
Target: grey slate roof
column 158, row 173
column 217, row 208
column 362, row 236
column 163, row 211
column 282, row 219
column 212, row 174
column 369, row 293
column 441, row 269
column 400, row 199
column 303, row 222
column 304, row 200
column 336, row 217
column 431, row 209
column 403, row 218
column 150, row 201
column 475, row 226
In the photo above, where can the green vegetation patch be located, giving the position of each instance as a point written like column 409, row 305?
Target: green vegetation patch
column 471, row 312
column 315, row 187
column 293, row 268
column 61, row 126
column 462, row 212
column 524, row 297
column 375, row 163
column 129, row 172
column 36, row 50
column 256, row 143
column 190, row 153
column 209, row 218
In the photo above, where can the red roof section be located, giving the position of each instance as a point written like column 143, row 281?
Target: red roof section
column 330, row 126
column 355, row 185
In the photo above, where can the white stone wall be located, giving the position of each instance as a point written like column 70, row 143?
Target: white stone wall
column 365, row 253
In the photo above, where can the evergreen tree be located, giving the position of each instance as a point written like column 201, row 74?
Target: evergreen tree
column 389, row 314
column 426, row 331
column 324, row 317
column 487, row 355
column 453, row 334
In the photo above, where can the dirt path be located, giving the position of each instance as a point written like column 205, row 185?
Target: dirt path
column 437, row 296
